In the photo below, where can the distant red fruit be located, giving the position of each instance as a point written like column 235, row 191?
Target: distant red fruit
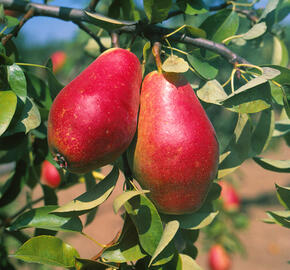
column 58, row 60
column 50, row 175
column 218, row 258
column 229, row 196
column 12, row 13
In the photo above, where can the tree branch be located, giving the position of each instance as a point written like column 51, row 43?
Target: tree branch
column 148, row 31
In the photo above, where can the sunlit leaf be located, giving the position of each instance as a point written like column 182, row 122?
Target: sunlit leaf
column 188, row 263
column 49, row 250
column 282, row 166
column 283, row 195
column 125, row 196
column 282, row 127
column 17, row 81
column 280, row 52
column 157, row 10
column 256, row 31
column 271, row 5
column 196, row 32
column 281, row 220
column 42, row 218
column 203, row 68
column 147, row 221
column 175, row 64
column 8, row 102
column 92, row 198
column 169, row 232
column 212, row 92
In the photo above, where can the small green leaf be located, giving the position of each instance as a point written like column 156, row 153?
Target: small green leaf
column 42, row 218
column 280, row 52
column 284, row 76
column 49, row 250
column 192, row 7
column 282, row 166
column 271, row 5
column 146, row 47
column 283, row 195
column 17, row 81
column 127, row 248
column 105, row 22
column 8, row 102
column 147, row 221
column 281, row 220
column 188, row 263
column 203, row 68
column 196, row 32
column 212, row 92
column 124, row 197
column 256, row 31
column 169, row 232
column 157, row 10
column 175, row 64
column 11, row 21
column 90, row 199
column 282, row 128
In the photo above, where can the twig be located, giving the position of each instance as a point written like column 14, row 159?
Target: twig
column 92, row 5
column 91, row 33
column 14, row 32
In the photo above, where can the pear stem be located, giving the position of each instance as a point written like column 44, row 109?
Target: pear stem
column 115, row 40
column 156, row 52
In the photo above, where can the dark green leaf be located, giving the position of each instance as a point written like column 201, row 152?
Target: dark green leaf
column 282, row 166
column 127, row 248
column 283, row 195
column 17, row 81
column 11, row 21
column 279, row 219
column 157, row 10
column 221, row 25
column 282, row 128
column 47, row 250
column 147, row 221
column 42, row 218
column 203, row 68
column 192, row 7
column 169, row 232
column 8, row 102
column 86, row 264
column 196, row 32
column 91, row 199
column 105, row 22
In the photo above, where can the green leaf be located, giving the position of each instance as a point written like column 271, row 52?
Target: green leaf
column 17, row 81
column 283, row 77
column 271, row 5
column 280, row 52
column 87, row 264
column 53, row 84
column 175, row 64
column 188, row 263
column 212, row 92
column 282, row 128
column 256, row 31
column 124, row 197
column 147, row 221
column 11, row 21
column 127, row 247
column 169, row 232
column 29, row 119
column 221, row 25
column 203, row 68
column 105, row 22
column 192, row 7
column 281, row 220
column 42, row 218
column 196, row 32
column 47, row 250
column 8, row 103
column 263, row 131
column 282, row 166
column 194, row 221
column 90, row 199
column 283, row 195
column 157, row 10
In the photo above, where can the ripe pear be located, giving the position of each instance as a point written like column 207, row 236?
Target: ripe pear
column 176, row 152
column 218, row 258
column 50, row 176
column 93, row 119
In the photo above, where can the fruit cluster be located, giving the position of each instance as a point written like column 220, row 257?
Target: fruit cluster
column 93, row 120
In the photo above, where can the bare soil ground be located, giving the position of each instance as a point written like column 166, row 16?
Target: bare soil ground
column 267, row 246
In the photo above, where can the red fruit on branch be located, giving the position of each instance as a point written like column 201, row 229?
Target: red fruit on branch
column 229, row 197
column 50, row 175
column 218, row 258
column 93, row 119
column 176, row 154
column 58, row 60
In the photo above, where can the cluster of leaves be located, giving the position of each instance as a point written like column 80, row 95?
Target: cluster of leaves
column 150, row 239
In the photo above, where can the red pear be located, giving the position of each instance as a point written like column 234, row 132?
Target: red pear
column 229, row 197
column 218, row 258
column 176, row 153
column 50, row 175
column 93, row 119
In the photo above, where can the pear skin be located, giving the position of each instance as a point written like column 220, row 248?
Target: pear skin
column 93, row 119
column 176, row 153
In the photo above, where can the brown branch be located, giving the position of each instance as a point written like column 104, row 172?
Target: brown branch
column 149, row 31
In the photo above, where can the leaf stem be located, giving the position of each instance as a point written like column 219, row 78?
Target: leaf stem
column 232, row 37
column 94, row 240
column 232, row 80
column 251, row 66
column 32, row 65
